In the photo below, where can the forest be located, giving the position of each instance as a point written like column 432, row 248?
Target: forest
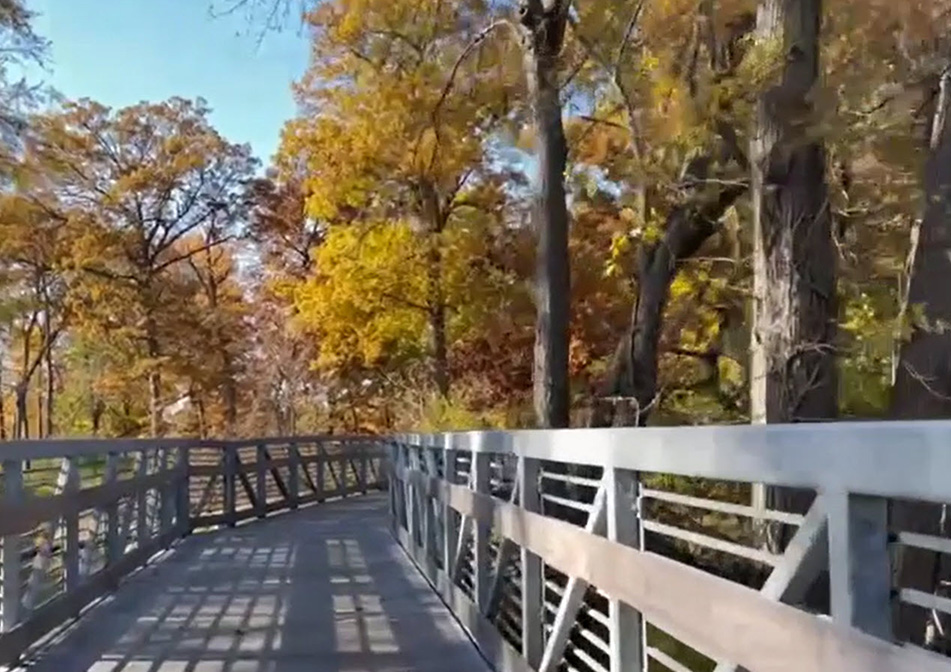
column 489, row 213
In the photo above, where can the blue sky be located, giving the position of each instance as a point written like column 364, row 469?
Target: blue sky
column 121, row 52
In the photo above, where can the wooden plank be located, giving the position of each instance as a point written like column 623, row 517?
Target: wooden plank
column 10, row 552
column 859, row 564
column 776, row 637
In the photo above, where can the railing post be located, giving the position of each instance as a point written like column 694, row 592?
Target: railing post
column 533, row 633
column 364, row 467
column 430, row 543
column 183, row 492
column 481, row 463
column 114, row 548
column 230, row 479
column 859, row 563
column 450, row 519
column 392, row 476
column 141, row 498
column 409, row 497
column 166, row 492
column 10, row 560
column 293, row 476
column 626, row 626
column 321, row 472
column 71, row 522
column 261, row 472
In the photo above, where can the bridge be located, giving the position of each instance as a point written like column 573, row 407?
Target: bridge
column 588, row 550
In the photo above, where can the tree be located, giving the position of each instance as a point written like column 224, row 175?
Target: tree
column 142, row 180
column 793, row 367
column 383, row 139
column 543, row 24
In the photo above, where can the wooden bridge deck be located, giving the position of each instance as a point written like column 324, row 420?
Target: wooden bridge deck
column 324, row 589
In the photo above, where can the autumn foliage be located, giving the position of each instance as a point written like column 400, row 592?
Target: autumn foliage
column 381, row 274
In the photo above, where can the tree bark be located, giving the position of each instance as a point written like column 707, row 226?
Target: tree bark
column 435, row 221
column 3, row 412
column 50, row 375
column 543, row 29
column 922, row 388
column 156, row 424
column 793, row 368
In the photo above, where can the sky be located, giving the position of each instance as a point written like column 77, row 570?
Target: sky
column 122, row 52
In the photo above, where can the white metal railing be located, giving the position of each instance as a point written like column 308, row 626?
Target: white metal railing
column 78, row 515
column 549, row 545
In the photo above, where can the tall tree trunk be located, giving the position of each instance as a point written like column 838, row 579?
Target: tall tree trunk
column 3, row 413
column 793, row 368
column 922, row 387
column 435, row 221
column 21, row 423
column 230, row 394
column 50, row 375
column 156, row 423
column 97, row 408
column 543, row 29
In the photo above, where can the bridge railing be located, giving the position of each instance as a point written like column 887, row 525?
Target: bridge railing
column 76, row 516
column 625, row 549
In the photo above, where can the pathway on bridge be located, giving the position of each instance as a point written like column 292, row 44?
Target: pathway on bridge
column 325, row 589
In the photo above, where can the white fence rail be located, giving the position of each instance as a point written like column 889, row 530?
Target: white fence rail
column 622, row 549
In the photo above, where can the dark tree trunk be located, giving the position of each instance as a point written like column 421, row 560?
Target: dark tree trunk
column 50, row 377
column 543, row 26
column 631, row 389
column 97, row 408
column 21, row 422
column 435, row 221
column 156, row 424
column 3, row 413
column 230, row 394
column 922, row 389
column 793, row 367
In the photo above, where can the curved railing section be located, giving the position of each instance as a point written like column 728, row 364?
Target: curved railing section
column 76, row 516
column 621, row 549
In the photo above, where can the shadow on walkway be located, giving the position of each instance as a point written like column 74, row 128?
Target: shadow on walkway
column 326, row 589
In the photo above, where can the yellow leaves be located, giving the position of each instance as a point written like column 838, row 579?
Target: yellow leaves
column 366, row 300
